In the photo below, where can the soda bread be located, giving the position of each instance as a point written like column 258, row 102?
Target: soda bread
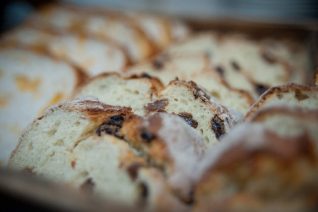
column 92, row 55
column 291, row 95
column 66, row 143
column 258, row 171
column 113, row 89
column 147, row 95
column 29, row 82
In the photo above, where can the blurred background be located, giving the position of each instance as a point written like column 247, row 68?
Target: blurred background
column 292, row 12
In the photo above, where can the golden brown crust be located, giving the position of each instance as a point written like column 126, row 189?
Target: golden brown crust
column 279, row 90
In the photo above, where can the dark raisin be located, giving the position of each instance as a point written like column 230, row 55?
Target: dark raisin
column 88, row 185
column 145, row 75
column 73, row 164
column 116, row 120
column 235, row 65
column 157, row 106
column 157, row 64
column 147, row 136
column 189, row 119
column 29, row 170
column 217, row 126
column 143, row 190
column 300, row 96
column 111, row 126
column 260, row 88
column 133, row 170
column 220, row 70
column 269, row 58
column 199, row 93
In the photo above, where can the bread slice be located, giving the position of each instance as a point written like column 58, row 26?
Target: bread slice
column 170, row 144
column 196, row 68
column 75, row 143
column 29, row 83
column 113, row 89
column 92, row 55
column 316, row 79
column 115, row 28
column 258, row 171
column 291, row 95
column 156, row 28
column 294, row 54
column 191, row 103
column 288, row 122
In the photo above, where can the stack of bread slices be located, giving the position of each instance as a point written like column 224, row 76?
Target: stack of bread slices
column 213, row 121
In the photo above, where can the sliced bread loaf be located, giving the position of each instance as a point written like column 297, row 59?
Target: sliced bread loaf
column 291, row 95
column 107, row 27
column 29, row 83
column 73, row 144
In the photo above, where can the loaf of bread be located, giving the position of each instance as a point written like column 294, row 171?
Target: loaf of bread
column 80, row 143
column 291, row 95
column 254, row 169
column 29, row 83
column 92, row 55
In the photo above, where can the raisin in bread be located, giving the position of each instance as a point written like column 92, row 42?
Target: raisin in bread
column 258, row 171
column 80, row 20
column 70, row 144
column 113, row 89
column 196, row 68
column 92, row 55
column 29, row 82
column 196, row 107
column 170, row 144
column 291, row 95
